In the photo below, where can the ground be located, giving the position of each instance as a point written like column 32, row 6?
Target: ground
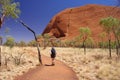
column 95, row 65
column 49, row 72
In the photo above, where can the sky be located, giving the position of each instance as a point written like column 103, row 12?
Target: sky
column 37, row 14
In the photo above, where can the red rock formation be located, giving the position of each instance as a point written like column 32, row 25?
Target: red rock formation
column 66, row 24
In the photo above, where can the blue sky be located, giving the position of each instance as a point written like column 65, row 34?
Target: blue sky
column 38, row 13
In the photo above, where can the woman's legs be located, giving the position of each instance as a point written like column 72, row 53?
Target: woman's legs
column 53, row 63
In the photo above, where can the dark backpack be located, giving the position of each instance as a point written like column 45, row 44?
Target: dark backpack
column 53, row 51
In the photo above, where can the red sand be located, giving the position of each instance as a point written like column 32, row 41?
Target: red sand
column 47, row 72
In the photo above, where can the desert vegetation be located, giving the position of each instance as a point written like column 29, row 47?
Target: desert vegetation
column 95, row 65
column 89, row 59
column 16, row 61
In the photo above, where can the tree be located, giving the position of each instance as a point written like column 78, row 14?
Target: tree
column 8, row 8
column 40, row 40
column 21, row 44
column 102, row 36
column 118, row 37
column 32, row 43
column 9, row 42
column 85, row 33
column 115, row 23
column 107, row 27
column 39, row 36
column 46, row 39
column 37, row 44
column 0, row 49
column 90, row 42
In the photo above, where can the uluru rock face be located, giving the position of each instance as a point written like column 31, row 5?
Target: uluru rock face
column 66, row 24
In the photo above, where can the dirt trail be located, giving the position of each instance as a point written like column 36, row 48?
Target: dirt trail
column 47, row 72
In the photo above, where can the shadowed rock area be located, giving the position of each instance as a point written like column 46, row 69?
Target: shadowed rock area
column 66, row 24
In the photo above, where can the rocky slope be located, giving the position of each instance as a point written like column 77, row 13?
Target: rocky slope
column 66, row 24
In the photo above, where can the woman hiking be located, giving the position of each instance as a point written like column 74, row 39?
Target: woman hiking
column 53, row 55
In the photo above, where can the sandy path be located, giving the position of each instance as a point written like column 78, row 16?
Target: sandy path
column 47, row 72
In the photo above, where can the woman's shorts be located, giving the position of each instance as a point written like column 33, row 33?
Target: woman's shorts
column 53, row 55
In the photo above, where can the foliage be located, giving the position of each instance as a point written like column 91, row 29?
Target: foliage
column 85, row 32
column 90, row 42
column 46, row 36
column 9, row 8
column 112, row 25
column 17, row 59
column 107, row 27
column 102, row 43
column 118, row 33
column 0, row 40
column 102, row 36
column 106, row 24
column 55, row 42
column 84, row 36
column 46, row 39
column 39, row 36
column 32, row 43
column 21, row 44
column 9, row 42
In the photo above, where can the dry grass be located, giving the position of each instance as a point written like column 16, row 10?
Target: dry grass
column 95, row 65
column 13, row 68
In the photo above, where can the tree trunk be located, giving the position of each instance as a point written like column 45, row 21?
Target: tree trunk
column 84, row 47
column 110, row 48
column 116, row 42
column 0, row 51
column 38, row 48
column 1, row 20
column 0, row 57
column 118, row 47
column 117, row 51
column 39, row 55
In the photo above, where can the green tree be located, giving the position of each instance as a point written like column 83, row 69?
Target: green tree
column 115, row 23
column 90, row 42
column 39, row 36
column 9, row 42
column 32, row 43
column 102, row 36
column 8, row 8
column 21, row 44
column 118, row 40
column 107, row 27
column 46, row 39
column 85, row 33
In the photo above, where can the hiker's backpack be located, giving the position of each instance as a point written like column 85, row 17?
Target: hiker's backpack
column 53, row 51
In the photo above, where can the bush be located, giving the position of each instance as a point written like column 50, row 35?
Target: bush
column 9, row 42
column 32, row 43
column 17, row 58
